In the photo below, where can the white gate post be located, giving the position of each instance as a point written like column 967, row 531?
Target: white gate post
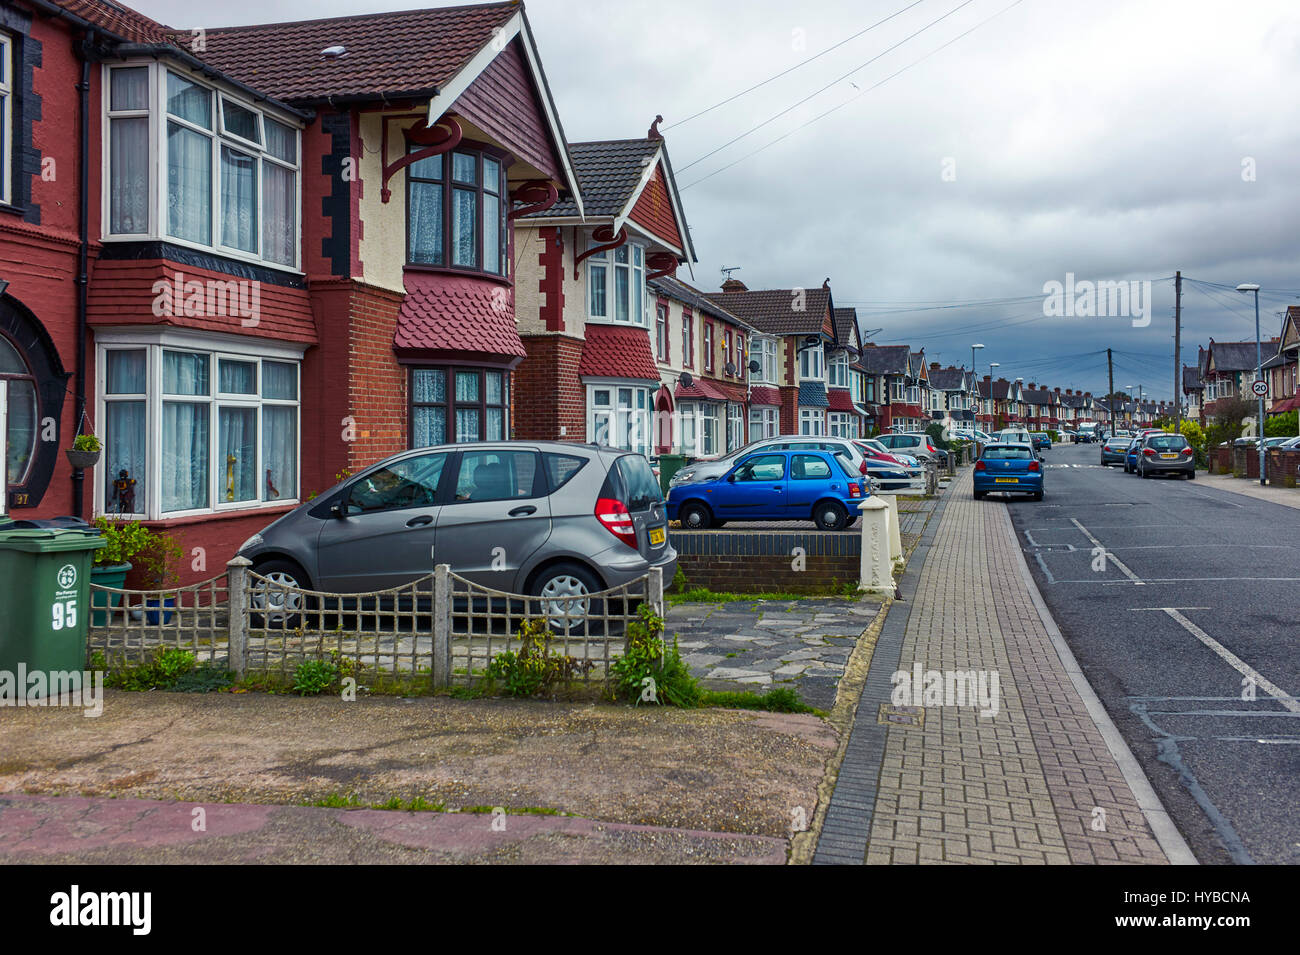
column 656, row 590
column 895, row 532
column 442, row 625
column 237, row 603
column 876, row 571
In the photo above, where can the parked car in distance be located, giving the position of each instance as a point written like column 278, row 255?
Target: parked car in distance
column 1042, row 440
column 915, row 443
column 965, row 434
column 1166, row 454
column 1012, row 436
column 774, row 485
column 712, row 470
column 544, row 518
column 1290, row 444
column 1113, row 451
column 1009, row 468
column 871, row 446
column 1276, row 441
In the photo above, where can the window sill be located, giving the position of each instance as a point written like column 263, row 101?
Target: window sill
column 268, row 511
column 18, row 211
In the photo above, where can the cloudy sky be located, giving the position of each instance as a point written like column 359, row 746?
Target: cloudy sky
column 1111, row 139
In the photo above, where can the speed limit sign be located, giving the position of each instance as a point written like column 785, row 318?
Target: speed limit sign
column 1259, row 387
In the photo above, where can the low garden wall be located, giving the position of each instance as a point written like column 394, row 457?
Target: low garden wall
column 767, row 561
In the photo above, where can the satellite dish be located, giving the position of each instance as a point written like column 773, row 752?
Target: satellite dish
column 731, row 368
column 686, row 380
column 755, row 367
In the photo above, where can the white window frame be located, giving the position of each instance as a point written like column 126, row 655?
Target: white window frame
column 898, row 390
column 812, row 364
column 812, row 421
column 837, row 370
column 7, row 116
column 630, row 425
column 764, row 422
column 158, row 119
column 840, row 424
column 636, row 267
column 763, row 350
column 217, row 347
column 735, row 426
column 704, row 419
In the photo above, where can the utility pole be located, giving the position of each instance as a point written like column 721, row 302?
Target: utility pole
column 1178, row 352
column 1110, row 395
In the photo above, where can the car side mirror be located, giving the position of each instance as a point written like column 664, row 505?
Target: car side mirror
column 731, row 479
column 336, row 510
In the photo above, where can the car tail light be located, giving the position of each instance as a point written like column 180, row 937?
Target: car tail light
column 979, row 466
column 855, row 490
column 929, row 447
column 617, row 519
column 862, row 468
column 1187, row 451
column 1148, row 453
column 1033, row 465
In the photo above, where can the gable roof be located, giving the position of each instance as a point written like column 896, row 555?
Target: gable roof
column 1192, row 379
column 886, row 359
column 696, row 299
column 1232, row 356
column 846, row 328
column 121, row 22
column 772, row 310
column 948, row 379
column 284, row 59
column 1038, row 396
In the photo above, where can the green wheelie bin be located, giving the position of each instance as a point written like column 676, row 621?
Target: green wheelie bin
column 45, row 597
column 669, row 464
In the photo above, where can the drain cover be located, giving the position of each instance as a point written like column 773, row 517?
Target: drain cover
column 891, row 715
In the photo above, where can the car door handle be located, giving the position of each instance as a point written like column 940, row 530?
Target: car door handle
column 523, row 511
column 420, row 521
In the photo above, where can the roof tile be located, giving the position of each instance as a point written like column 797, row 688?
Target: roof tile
column 454, row 314
column 613, row 351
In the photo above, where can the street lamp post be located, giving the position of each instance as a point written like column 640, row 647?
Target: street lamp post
column 1259, row 376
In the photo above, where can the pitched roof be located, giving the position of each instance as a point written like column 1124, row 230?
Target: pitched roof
column 696, row 299
column 409, row 51
column 608, row 173
column 700, row 389
column 613, row 351
column 773, row 310
column 1233, row 356
column 119, row 21
column 947, row 379
column 846, row 327
column 452, row 314
column 1039, row 396
column 1192, row 379
column 886, row 359
column 812, row 394
column 764, row 395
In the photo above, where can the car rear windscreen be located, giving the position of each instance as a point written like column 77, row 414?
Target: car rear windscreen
column 640, row 482
column 1167, row 442
column 1008, row 454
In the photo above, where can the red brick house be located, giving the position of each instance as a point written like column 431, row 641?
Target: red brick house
column 899, row 377
column 585, row 313
column 297, row 244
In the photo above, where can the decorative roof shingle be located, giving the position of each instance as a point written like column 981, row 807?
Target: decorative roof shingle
column 846, row 327
column 774, row 312
column 119, row 21
column 608, row 172
column 410, row 51
column 841, row 400
column 452, row 314
column 700, row 389
column 764, row 395
column 812, row 394
column 886, row 359
column 613, row 351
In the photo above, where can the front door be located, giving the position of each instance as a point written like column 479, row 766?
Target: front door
column 385, row 534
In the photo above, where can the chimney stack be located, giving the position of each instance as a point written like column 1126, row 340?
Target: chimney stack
column 734, row 285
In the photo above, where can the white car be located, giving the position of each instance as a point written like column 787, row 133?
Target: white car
column 712, row 470
column 1012, row 436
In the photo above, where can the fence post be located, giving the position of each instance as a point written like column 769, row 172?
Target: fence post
column 655, row 588
column 237, row 583
column 442, row 625
column 875, row 575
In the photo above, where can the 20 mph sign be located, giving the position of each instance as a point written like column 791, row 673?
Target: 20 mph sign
column 1260, row 388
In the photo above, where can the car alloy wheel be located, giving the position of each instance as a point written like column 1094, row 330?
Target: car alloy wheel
column 565, row 591
column 831, row 516
column 277, row 603
column 696, row 517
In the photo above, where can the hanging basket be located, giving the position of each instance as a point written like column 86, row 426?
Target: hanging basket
column 82, row 459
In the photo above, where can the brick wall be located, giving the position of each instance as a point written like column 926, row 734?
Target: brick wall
column 789, row 410
column 765, row 561
column 377, row 384
column 548, row 394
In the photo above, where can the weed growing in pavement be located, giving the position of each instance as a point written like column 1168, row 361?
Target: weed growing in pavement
column 535, row 669
column 648, row 666
column 776, row 700
column 314, row 677
column 170, row 668
column 703, row 595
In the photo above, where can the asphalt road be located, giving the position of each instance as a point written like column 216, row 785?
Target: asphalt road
column 1179, row 602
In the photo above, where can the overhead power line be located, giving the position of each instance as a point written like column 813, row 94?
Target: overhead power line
column 786, row 72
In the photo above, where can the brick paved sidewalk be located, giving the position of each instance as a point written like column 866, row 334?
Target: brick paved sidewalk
column 1034, row 783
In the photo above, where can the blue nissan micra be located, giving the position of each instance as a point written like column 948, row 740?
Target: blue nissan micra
column 774, row 486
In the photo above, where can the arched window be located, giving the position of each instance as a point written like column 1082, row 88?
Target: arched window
column 20, row 386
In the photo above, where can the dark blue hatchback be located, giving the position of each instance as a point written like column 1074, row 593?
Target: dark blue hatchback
column 796, row 485
column 1011, row 468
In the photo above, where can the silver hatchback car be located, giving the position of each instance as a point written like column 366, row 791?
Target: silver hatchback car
column 544, row 518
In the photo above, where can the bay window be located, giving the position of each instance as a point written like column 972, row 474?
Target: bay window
column 812, row 421
column 618, row 416
column 812, row 364
column 837, row 370
column 764, row 423
column 451, row 405
column 763, row 351
column 616, row 288
column 228, row 170
column 897, row 390
column 735, row 426
column 189, row 429
column 456, row 213
column 841, row 424
column 700, row 428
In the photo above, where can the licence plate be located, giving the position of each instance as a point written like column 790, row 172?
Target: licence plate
column 1169, row 457
column 656, row 536
column 1006, row 480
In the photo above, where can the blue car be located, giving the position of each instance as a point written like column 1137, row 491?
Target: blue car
column 1010, row 468
column 796, row 485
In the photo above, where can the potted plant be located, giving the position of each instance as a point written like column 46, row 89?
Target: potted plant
column 161, row 560
column 123, row 540
column 84, row 452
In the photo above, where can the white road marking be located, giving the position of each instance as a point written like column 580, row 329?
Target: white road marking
column 1113, row 559
column 1166, row 610
column 1187, row 580
column 1288, row 701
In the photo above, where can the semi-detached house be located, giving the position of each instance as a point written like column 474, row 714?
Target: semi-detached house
column 297, row 248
